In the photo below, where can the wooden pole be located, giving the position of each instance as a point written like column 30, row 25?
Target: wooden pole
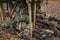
column 3, row 7
column 34, row 13
column 30, row 17
column 13, row 8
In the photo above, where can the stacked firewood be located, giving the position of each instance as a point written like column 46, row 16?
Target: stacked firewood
column 27, row 12
column 46, row 27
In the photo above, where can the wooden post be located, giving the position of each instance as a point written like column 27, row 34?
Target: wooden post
column 34, row 13
column 13, row 8
column 3, row 7
column 30, row 17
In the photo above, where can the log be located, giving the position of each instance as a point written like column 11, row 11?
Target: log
column 53, row 18
column 41, row 25
column 42, row 22
column 38, row 34
column 40, row 17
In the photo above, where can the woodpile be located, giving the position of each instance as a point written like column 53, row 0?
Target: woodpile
column 27, row 20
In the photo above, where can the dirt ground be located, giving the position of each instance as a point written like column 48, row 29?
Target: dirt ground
column 53, row 7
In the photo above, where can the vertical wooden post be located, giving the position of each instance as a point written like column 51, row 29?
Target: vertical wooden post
column 1, row 16
column 34, row 13
column 3, row 7
column 30, row 17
